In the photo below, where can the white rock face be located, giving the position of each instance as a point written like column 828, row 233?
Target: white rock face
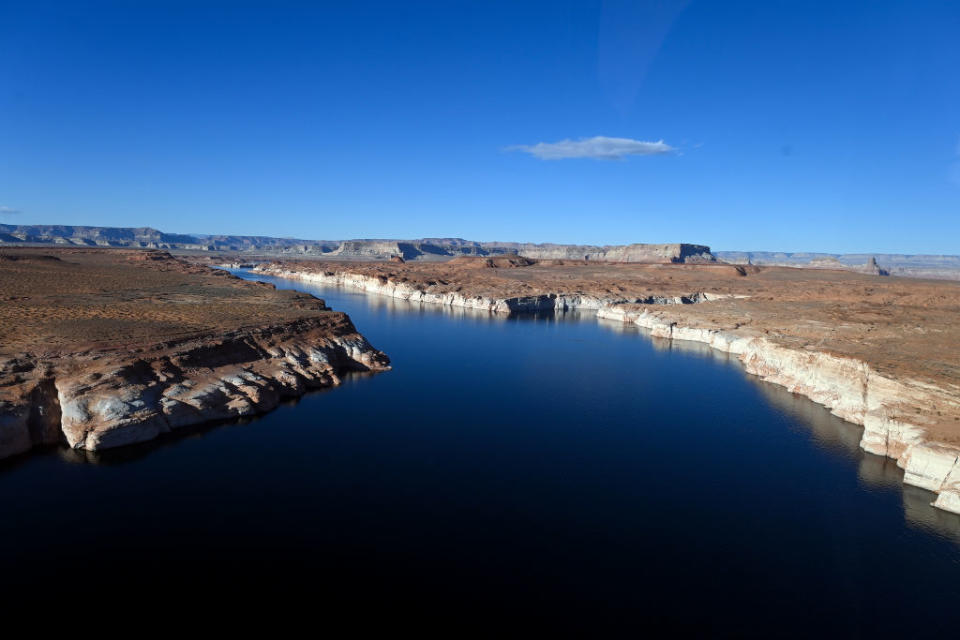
column 521, row 304
column 113, row 401
column 33, row 421
column 849, row 388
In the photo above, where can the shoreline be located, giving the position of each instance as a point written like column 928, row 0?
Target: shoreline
column 104, row 400
column 515, row 304
column 849, row 388
column 105, row 348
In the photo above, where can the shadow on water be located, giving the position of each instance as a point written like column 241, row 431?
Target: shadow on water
column 875, row 472
column 575, row 475
column 828, row 432
column 135, row 452
column 825, row 430
column 379, row 302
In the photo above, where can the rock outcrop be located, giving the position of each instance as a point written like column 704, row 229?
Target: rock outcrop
column 685, row 253
column 515, row 304
column 430, row 249
column 888, row 409
column 359, row 249
column 371, row 249
column 99, row 401
column 149, row 238
column 870, row 267
column 897, row 413
column 103, row 348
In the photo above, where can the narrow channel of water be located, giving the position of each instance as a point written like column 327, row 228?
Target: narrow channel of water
column 553, row 472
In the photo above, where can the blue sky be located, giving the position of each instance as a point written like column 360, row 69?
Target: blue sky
column 830, row 126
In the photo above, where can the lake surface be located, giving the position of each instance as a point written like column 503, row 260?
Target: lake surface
column 538, row 474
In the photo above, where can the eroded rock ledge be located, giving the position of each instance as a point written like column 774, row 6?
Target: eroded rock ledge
column 512, row 304
column 903, row 417
column 891, row 411
column 101, row 401
column 115, row 348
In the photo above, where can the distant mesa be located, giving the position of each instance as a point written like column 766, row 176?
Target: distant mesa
column 149, row 238
column 945, row 267
column 443, row 249
column 360, row 249
column 447, row 248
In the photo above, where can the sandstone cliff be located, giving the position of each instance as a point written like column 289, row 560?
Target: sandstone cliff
column 621, row 253
column 512, row 304
column 428, row 249
column 909, row 413
column 97, row 401
column 895, row 412
column 100, row 349
column 365, row 249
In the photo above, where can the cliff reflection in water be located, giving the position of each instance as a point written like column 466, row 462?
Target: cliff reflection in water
column 828, row 432
column 379, row 302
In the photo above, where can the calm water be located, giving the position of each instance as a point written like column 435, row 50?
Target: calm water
column 536, row 474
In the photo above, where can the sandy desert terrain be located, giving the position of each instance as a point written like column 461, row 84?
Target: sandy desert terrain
column 881, row 352
column 900, row 326
column 103, row 347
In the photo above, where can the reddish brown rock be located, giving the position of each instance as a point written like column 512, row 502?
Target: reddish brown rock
column 101, row 348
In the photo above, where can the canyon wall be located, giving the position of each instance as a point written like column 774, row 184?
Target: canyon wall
column 915, row 266
column 99, row 401
column 519, row 304
column 362, row 249
column 888, row 409
column 440, row 248
column 893, row 412
column 622, row 253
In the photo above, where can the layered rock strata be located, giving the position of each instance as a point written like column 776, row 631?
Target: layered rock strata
column 99, row 401
column 104, row 348
column 896, row 412
column 891, row 411
column 364, row 249
column 677, row 252
column 515, row 304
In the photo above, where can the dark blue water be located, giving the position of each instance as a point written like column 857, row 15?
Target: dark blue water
column 535, row 475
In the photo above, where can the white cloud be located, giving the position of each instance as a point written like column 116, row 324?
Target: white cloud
column 601, row 147
column 8, row 211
